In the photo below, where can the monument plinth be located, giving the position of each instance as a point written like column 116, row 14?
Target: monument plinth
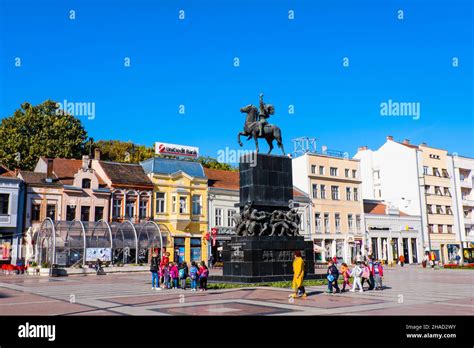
column 267, row 227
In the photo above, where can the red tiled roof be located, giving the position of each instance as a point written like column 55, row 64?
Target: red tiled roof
column 378, row 209
column 222, row 179
column 34, row 178
column 411, row 146
column 65, row 168
column 126, row 174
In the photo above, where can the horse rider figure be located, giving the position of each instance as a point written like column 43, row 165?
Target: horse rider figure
column 265, row 111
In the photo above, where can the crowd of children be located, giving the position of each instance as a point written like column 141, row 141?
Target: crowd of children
column 171, row 275
column 370, row 272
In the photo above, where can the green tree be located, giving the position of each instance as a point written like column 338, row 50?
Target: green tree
column 212, row 163
column 120, row 151
column 41, row 130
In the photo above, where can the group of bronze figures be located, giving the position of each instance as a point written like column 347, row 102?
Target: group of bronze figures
column 251, row 222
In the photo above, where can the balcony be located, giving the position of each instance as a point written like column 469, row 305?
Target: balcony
column 466, row 183
column 467, row 202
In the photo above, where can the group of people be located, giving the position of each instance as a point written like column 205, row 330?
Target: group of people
column 171, row 275
column 370, row 272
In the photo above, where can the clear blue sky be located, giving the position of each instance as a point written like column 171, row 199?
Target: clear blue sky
column 296, row 62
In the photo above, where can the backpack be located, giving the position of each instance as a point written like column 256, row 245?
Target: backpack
column 193, row 273
column 181, row 273
column 204, row 273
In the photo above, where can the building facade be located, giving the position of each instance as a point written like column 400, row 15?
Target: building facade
column 180, row 203
column 334, row 187
column 463, row 177
column 11, row 218
column 392, row 233
column 419, row 180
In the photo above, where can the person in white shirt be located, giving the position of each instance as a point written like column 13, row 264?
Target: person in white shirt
column 357, row 274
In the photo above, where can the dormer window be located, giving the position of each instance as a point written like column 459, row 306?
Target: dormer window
column 86, row 183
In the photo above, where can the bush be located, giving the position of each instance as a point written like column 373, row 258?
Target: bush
column 456, row 266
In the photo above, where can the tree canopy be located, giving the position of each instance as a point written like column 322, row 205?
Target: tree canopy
column 41, row 130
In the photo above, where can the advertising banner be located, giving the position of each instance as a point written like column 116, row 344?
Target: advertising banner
column 103, row 254
column 176, row 150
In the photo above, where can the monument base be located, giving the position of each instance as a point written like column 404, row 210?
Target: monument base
column 256, row 259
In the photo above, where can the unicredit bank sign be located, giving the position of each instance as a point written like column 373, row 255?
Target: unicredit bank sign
column 176, row 150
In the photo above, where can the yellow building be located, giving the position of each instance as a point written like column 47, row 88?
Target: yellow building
column 180, row 203
column 439, row 202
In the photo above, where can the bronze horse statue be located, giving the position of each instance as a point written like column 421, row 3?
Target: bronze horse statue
column 270, row 131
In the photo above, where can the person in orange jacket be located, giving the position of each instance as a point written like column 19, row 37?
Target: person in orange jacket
column 402, row 260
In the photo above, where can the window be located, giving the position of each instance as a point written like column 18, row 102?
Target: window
column 428, row 209
column 439, row 210
column 4, row 202
column 196, row 204
column 335, row 192
column 218, row 217
column 333, row 171
column 430, row 228
column 350, row 223
column 315, row 190
column 358, row 223
column 117, row 208
column 142, row 208
column 436, row 172
column 446, row 192
column 86, row 183
column 348, row 193
column 182, row 205
column 448, row 210
column 326, row 222
column 425, row 170
column 438, row 191
column 427, row 189
column 376, row 174
column 99, row 213
column 440, row 228
column 356, row 194
column 354, row 174
column 173, row 204
column 51, row 211
column 337, row 220
column 230, row 217
column 317, row 219
column 445, row 173
column 313, row 169
column 450, row 228
column 346, row 172
column 70, row 213
column 196, row 249
column 85, row 213
column 323, row 191
column 160, row 202
column 321, row 170
column 35, row 212
column 130, row 209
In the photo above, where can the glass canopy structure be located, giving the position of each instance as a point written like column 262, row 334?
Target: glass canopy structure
column 74, row 243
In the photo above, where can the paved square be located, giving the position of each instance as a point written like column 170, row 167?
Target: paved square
column 411, row 290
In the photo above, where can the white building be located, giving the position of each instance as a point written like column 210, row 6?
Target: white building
column 463, row 177
column 392, row 233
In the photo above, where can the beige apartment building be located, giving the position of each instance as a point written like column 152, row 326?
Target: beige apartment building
column 438, row 189
column 333, row 184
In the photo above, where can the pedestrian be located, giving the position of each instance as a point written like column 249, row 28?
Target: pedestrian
column 166, row 276
column 211, row 261
column 165, row 259
column 378, row 274
column 370, row 264
column 458, row 259
column 346, row 274
column 357, row 274
column 203, row 274
column 332, row 276
column 432, row 259
column 154, row 265
column 193, row 275
column 298, row 276
column 183, row 274
column 402, row 260
column 174, row 274
column 425, row 260
column 365, row 274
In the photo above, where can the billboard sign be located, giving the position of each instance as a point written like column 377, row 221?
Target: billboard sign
column 176, row 150
column 103, row 254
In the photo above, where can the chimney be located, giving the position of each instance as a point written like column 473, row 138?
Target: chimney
column 406, row 141
column 85, row 162
column 363, row 148
column 49, row 170
column 389, row 137
column 97, row 154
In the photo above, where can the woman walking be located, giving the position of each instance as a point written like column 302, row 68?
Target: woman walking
column 298, row 276
column 154, row 272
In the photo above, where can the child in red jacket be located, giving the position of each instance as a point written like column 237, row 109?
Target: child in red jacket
column 203, row 273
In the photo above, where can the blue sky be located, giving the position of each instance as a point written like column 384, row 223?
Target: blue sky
column 294, row 62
